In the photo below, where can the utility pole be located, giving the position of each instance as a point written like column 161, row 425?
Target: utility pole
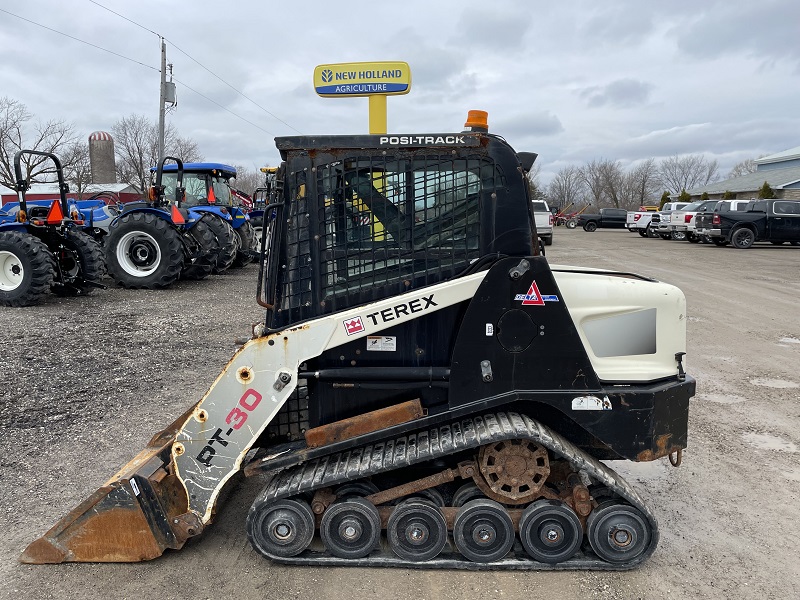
column 162, row 101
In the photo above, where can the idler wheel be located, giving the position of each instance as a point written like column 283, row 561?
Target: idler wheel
column 283, row 528
column 618, row 533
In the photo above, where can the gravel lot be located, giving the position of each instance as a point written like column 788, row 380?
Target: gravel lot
column 87, row 381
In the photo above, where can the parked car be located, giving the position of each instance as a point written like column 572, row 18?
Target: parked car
column 776, row 221
column 605, row 217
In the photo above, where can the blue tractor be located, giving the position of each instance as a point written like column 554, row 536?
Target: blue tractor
column 43, row 246
column 208, row 190
column 154, row 242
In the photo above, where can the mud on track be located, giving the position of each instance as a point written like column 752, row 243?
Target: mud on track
column 85, row 382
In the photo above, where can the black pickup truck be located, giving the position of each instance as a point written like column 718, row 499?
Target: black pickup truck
column 776, row 221
column 606, row 217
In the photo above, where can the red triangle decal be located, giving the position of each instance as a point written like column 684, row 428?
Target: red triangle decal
column 533, row 297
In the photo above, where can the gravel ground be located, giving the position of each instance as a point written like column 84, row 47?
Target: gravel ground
column 87, row 381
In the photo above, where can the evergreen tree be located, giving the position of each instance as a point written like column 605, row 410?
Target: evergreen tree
column 766, row 191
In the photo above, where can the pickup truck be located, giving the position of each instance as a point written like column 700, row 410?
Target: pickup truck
column 660, row 221
column 638, row 221
column 544, row 221
column 606, row 217
column 703, row 220
column 776, row 221
column 681, row 221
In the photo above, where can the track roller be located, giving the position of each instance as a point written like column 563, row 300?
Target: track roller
column 417, row 530
column 351, row 528
column 550, row 531
column 483, row 531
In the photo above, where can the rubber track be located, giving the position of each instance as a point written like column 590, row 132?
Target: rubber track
column 438, row 443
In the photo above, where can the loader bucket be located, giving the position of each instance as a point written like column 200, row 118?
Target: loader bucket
column 134, row 516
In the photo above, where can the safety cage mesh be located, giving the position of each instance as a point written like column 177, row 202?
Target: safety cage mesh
column 368, row 227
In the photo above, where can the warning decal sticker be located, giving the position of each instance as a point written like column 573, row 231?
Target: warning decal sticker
column 534, row 297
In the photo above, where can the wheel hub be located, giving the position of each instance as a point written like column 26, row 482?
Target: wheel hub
column 11, row 271
column 350, row 530
column 283, row 531
column 142, row 253
column 484, row 535
column 417, row 533
column 553, row 534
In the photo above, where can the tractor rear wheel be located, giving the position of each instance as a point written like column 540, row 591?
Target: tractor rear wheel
column 26, row 269
column 243, row 255
column 143, row 251
column 79, row 260
column 206, row 249
column 227, row 242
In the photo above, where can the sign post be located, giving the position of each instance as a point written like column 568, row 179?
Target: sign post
column 375, row 80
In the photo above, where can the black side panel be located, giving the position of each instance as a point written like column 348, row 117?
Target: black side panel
column 528, row 339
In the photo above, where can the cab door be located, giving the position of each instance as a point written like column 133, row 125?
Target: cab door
column 784, row 225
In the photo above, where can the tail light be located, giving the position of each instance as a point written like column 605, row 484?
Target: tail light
column 636, row 217
column 687, row 218
column 715, row 220
column 551, row 219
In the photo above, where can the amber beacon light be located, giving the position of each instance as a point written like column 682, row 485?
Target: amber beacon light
column 478, row 120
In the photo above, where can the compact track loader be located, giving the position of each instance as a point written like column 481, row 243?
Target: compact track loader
column 425, row 390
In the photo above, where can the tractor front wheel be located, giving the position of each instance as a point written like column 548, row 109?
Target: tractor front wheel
column 26, row 269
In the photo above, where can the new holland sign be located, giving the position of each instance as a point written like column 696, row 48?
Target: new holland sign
column 362, row 79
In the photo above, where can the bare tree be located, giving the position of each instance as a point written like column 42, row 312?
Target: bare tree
column 19, row 131
column 534, row 182
column 615, row 183
column 77, row 167
column 136, row 148
column 743, row 168
column 594, row 180
column 568, row 187
column 643, row 183
column 247, row 180
column 686, row 172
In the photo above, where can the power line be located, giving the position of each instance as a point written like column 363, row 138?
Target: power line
column 126, row 18
column 242, row 94
column 138, row 63
column 223, row 107
column 79, row 40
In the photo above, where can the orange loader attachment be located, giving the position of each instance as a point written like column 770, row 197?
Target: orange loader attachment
column 136, row 515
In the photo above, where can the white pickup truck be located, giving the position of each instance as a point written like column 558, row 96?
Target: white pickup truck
column 682, row 223
column 661, row 220
column 638, row 221
column 544, row 221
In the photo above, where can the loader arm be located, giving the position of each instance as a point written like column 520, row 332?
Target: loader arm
column 168, row 492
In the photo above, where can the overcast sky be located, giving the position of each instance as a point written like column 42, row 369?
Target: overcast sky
column 573, row 81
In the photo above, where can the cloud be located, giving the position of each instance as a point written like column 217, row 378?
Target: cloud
column 622, row 93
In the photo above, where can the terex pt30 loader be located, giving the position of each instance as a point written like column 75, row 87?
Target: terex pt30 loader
column 426, row 390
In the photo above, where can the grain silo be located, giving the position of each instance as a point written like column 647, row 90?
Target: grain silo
column 101, row 157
